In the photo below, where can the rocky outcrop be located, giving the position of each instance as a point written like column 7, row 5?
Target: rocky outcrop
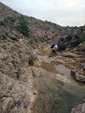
column 70, row 55
column 63, row 79
column 79, row 72
column 14, row 95
column 17, row 92
column 80, row 47
column 79, row 108
column 78, row 76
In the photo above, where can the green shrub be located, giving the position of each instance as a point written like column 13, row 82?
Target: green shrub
column 31, row 61
column 3, row 23
column 18, row 73
column 31, row 41
column 69, row 49
column 62, row 47
column 23, row 25
column 11, row 19
column 81, row 39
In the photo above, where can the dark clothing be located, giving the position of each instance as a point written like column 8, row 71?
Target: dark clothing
column 54, row 51
column 52, row 46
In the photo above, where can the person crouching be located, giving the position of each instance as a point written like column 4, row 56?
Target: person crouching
column 54, row 49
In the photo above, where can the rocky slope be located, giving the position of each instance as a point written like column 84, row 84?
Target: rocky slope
column 16, row 82
column 17, row 92
column 39, row 30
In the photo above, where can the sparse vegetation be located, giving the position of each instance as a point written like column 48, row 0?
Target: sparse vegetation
column 11, row 19
column 31, row 41
column 23, row 25
column 81, row 38
column 18, row 73
column 69, row 49
column 2, row 23
column 31, row 61
column 62, row 47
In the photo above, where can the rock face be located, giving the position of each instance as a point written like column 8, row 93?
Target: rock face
column 16, row 81
column 79, row 108
column 14, row 96
column 79, row 77
column 79, row 72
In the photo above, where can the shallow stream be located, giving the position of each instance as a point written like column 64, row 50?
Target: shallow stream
column 54, row 95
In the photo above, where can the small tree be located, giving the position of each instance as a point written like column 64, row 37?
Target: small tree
column 22, row 26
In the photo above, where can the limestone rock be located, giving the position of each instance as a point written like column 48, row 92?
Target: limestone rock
column 81, row 47
column 79, row 108
column 70, row 55
column 14, row 96
column 63, row 79
column 77, row 76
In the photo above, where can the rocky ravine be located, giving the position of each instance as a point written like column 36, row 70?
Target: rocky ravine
column 17, row 93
